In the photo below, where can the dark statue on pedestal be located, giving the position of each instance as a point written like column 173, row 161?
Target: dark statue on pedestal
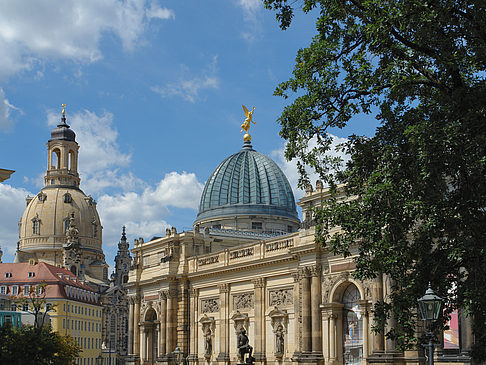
column 244, row 348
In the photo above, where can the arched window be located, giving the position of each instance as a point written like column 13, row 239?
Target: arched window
column 66, row 224
column 352, row 326
column 71, row 163
column 56, row 159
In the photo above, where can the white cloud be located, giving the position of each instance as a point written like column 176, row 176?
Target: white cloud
column 290, row 167
column 144, row 213
column 12, row 203
column 5, row 108
column 188, row 87
column 156, row 11
column 34, row 31
column 252, row 16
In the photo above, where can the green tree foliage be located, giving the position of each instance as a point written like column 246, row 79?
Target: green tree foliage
column 36, row 346
column 419, row 184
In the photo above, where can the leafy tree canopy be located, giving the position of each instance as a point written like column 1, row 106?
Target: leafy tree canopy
column 36, row 346
column 419, row 182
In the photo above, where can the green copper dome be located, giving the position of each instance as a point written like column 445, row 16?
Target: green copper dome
column 247, row 182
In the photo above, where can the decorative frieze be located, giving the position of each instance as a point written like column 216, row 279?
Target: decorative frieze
column 243, row 301
column 281, row 297
column 210, row 305
column 241, row 253
column 279, row 245
column 208, row 260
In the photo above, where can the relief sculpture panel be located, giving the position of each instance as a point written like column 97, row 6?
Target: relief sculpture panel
column 243, row 301
column 281, row 297
column 209, row 305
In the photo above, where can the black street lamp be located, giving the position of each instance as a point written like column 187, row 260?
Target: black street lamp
column 99, row 360
column 177, row 355
column 430, row 306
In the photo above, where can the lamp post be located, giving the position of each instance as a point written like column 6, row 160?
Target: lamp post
column 177, row 355
column 99, row 360
column 430, row 306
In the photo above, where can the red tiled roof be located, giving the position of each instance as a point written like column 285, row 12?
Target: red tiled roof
column 43, row 273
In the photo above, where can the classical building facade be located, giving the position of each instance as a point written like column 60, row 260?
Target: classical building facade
column 246, row 266
column 61, row 227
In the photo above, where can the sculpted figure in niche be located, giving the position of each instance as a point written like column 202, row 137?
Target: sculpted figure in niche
column 208, row 344
column 244, row 348
column 279, row 340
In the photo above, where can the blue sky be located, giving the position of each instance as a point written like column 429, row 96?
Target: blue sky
column 153, row 91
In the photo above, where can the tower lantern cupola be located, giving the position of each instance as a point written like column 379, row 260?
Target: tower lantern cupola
column 62, row 159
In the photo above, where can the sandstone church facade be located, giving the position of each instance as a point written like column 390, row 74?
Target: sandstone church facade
column 250, row 264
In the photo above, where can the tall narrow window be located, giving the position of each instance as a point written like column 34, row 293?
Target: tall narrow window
column 352, row 327
column 71, row 161
column 36, row 226
column 95, row 229
column 56, row 159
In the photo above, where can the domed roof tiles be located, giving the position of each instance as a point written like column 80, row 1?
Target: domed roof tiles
column 247, row 182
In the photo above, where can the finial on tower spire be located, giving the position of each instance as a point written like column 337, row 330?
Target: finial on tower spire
column 124, row 234
column 63, row 110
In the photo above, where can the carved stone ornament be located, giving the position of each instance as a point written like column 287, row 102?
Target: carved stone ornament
column 208, row 326
column 281, row 297
column 241, row 321
column 243, row 301
column 42, row 197
column 210, row 305
column 279, row 322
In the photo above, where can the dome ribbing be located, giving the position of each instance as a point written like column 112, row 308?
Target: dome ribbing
column 247, row 182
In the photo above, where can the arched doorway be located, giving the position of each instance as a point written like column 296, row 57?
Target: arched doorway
column 352, row 326
column 150, row 330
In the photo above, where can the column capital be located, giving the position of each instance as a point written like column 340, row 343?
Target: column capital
column 259, row 282
column 315, row 270
column 171, row 293
column 304, row 272
column 223, row 287
column 163, row 294
column 193, row 292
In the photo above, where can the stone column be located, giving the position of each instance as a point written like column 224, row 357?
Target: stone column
column 163, row 323
column 143, row 352
column 316, row 310
column 171, row 320
column 296, row 276
column 223, row 356
column 466, row 333
column 391, row 322
column 332, row 338
column 136, row 327
column 131, row 304
column 259, row 351
column 306, row 311
column 193, row 315
column 377, row 296
column 364, row 314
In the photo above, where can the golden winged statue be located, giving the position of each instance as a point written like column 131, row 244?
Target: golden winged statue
column 247, row 123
